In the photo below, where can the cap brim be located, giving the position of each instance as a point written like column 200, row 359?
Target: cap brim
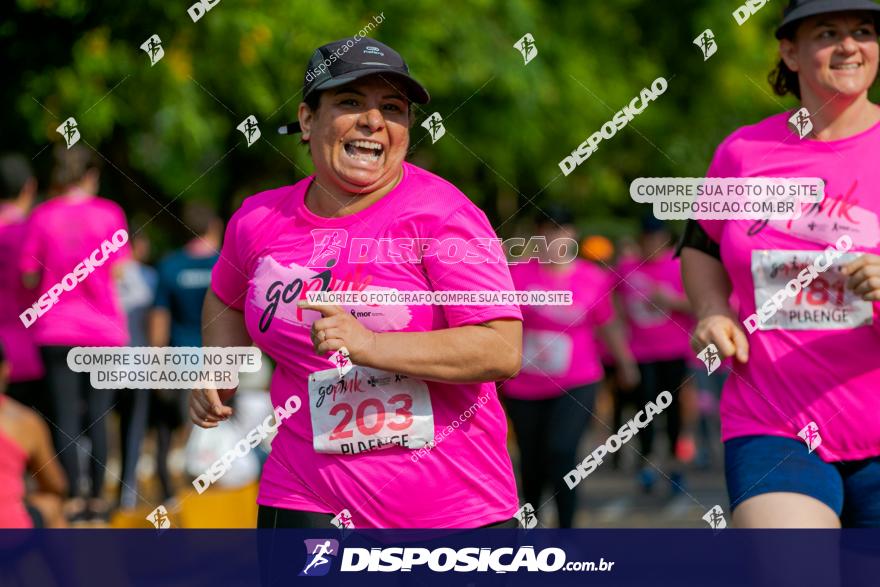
column 413, row 90
column 823, row 7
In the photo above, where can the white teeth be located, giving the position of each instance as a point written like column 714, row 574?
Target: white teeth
column 367, row 145
column 847, row 66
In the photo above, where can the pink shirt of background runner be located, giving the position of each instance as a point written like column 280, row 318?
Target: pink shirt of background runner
column 654, row 334
column 561, row 327
column 62, row 232
column 18, row 342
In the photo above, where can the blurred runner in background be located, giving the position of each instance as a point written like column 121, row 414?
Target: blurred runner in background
column 137, row 289
column 176, row 319
column 61, row 233
column 551, row 401
column 18, row 188
column 26, row 449
column 657, row 313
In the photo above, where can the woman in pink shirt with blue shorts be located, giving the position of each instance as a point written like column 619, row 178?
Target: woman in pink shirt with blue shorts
column 799, row 411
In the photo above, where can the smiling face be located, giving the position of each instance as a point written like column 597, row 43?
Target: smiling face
column 358, row 136
column 833, row 54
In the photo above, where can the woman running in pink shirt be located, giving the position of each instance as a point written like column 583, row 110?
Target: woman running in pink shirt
column 799, row 411
column 414, row 434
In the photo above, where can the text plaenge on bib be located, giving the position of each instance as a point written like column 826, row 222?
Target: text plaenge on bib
column 368, row 409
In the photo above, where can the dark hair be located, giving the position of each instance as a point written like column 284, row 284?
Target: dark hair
column 784, row 80
column 15, row 171
column 198, row 217
column 313, row 100
column 71, row 165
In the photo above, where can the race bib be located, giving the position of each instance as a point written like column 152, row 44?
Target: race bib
column 546, row 352
column 824, row 304
column 368, row 409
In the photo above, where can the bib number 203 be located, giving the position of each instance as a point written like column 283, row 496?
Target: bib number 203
column 371, row 415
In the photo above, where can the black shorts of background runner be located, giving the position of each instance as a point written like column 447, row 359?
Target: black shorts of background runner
column 548, row 432
column 77, row 409
column 657, row 377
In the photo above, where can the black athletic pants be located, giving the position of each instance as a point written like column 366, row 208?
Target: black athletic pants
column 78, row 410
column 548, row 432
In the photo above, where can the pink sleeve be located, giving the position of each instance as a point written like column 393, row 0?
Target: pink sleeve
column 229, row 278
column 603, row 310
column 723, row 165
column 469, row 222
column 32, row 248
column 123, row 253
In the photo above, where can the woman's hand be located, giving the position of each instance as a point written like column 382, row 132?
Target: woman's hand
column 206, row 407
column 864, row 277
column 339, row 329
column 725, row 333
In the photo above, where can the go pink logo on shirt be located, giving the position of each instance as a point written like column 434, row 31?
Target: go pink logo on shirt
column 98, row 257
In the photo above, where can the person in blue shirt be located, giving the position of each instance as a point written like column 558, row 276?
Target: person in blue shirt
column 175, row 320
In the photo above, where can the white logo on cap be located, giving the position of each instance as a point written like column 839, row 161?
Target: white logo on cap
column 373, row 51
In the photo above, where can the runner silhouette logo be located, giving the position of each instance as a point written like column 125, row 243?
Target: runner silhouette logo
column 319, row 556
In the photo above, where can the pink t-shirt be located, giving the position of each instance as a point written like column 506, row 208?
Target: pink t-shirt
column 62, row 232
column 654, row 334
column 273, row 240
column 18, row 342
column 829, row 376
column 559, row 342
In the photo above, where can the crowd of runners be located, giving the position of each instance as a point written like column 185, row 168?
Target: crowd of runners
column 496, row 402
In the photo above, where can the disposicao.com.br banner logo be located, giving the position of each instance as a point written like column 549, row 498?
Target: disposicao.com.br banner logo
column 321, row 552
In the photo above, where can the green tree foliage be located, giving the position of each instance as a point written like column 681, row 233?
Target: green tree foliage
column 167, row 133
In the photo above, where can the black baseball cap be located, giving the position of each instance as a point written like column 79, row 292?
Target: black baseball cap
column 340, row 62
column 801, row 9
